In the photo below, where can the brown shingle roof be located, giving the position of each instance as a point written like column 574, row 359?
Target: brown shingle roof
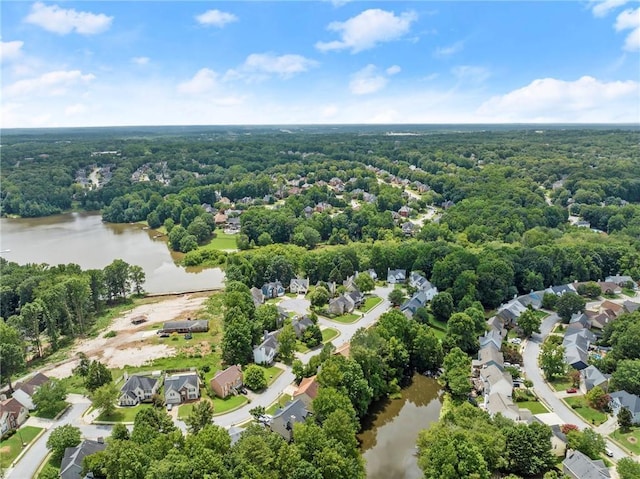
column 308, row 386
column 227, row 376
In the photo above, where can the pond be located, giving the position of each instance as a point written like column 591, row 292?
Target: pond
column 388, row 440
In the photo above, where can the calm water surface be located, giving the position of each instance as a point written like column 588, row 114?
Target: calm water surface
column 389, row 438
column 83, row 238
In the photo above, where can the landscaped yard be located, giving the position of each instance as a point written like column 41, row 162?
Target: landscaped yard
column 536, row 407
column 540, row 314
column 630, row 440
column 272, row 373
column 370, row 303
column 123, row 414
column 10, row 448
column 220, row 406
column 50, row 415
column 223, row 241
column 561, row 383
column 629, row 292
column 282, row 400
column 346, row 318
column 328, row 334
column 590, row 415
column 301, row 347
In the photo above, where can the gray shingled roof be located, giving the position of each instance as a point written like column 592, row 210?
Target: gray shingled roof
column 142, row 382
column 580, row 466
column 71, row 466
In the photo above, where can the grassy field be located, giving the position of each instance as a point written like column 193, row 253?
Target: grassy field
column 630, row 440
column 590, row 415
column 272, row 374
column 61, row 406
column 346, row 318
column 301, row 347
column 370, row 303
column 282, row 400
column 221, row 406
column 75, row 384
column 561, row 383
column 328, row 334
column 123, row 414
column 536, row 407
column 222, row 241
column 10, row 448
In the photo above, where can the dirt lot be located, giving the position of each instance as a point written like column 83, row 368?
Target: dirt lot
column 129, row 347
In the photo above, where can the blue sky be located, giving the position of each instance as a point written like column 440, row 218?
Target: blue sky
column 302, row 62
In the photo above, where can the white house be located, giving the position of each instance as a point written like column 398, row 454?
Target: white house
column 265, row 352
column 182, row 387
column 138, row 389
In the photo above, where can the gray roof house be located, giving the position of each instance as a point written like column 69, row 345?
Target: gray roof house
column 396, row 275
column 620, row 399
column 621, row 280
column 576, row 347
column 71, row 465
column 273, row 289
column 137, row 389
column 341, row 305
column 492, row 337
column 496, row 381
column 561, row 289
column 182, row 387
column 265, row 352
column 630, row 306
column 418, row 300
column 299, row 285
column 592, row 377
column 579, row 466
column 285, row 417
column 498, row 403
column 489, row 356
column 195, row 326
column 534, row 298
column 300, row 324
column 257, row 295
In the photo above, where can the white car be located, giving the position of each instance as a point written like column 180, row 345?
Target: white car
column 515, row 341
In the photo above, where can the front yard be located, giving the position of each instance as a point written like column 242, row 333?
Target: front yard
column 370, row 303
column 272, row 373
column 11, row 448
column 590, row 415
column 123, row 414
column 282, row 401
column 536, row 407
column 61, row 406
column 346, row 318
column 630, row 440
column 328, row 334
column 561, row 383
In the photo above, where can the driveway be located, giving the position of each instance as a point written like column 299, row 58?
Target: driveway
column 546, row 394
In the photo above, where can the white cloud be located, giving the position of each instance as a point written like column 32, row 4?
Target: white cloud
column 471, row 73
column 602, row 7
column 393, row 70
column 368, row 29
column 62, row 21
column 10, row 50
column 449, row 50
column 75, row 109
column 550, row 100
column 630, row 20
column 216, row 18
column 140, row 60
column 49, row 84
column 204, row 80
column 261, row 66
column 367, row 81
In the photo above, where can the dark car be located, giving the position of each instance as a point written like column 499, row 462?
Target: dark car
column 188, row 336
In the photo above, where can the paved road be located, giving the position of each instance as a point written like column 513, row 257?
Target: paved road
column 542, row 388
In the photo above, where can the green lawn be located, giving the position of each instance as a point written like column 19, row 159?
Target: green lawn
column 370, row 303
column 328, row 334
column 272, row 374
column 50, row 415
column 221, row 406
column 629, row 292
column 222, row 241
column 561, row 383
column 10, row 448
column 74, row 384
column 540, row 314
column 346, row 318
column 623, row 439
column 123, row 414
column 536, row 407
column 301, row 347
column 441, row 325
column 282, row 400
column 184, row 411
column 590, row 415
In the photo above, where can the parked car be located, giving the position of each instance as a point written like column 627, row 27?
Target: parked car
column 572, row 390
column 608, row 452
column 169, row 407
column 188, row 336
column 515, row 341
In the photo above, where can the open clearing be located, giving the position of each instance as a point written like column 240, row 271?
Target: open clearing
column 133, row 344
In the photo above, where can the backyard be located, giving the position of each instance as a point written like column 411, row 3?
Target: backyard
column 10, row 448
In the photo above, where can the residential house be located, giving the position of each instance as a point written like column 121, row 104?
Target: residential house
column 395, row 276
column 511, row 311
column 579, row 466
column 576, row 347
column 299, row 286
column 183, row 387
column 235, row 432
column 137, row 389
column 581, row 319
column 308, row 211
column 233, row 224
column 560, row 290
column 620, row 399
column 533, row 299
column 418, row 300
column 496, row 380
column 356, row 296
column 372, row 273
column 12, row 415
column 558, row 440
column 258, row 296
column 227, row 382
column 349, row 283
column 404, row 211
column 72, row 464
column 630, row 306
column 623, row 281
column 265, row 352
column 189, row 326
column 329, row 286
column 344, row 349
column 285, row 417
column 220, row 218
column 307, row 391
column 611, row 309
column 609, row 288
column 23, row 391
column 592, row 377
column 495, row 322
column 598, row 320
column 489, row 356
column 341, row 305
column 273, row 290
column 408, row 228
column 498, row 403
column 300, row 324
column 493, row 337
column 417, row 281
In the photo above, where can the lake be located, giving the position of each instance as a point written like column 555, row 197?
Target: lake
column 389, row 436
column 84, row 239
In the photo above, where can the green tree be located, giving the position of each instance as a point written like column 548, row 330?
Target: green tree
column 552, row 360
column 329, row 400
column 568, row 304
column 462, row 333
column 549, row 301
column 137, row 276
column 117, row 279
column 365, row 282
column 529, row 322
column 457, row 367
column 264, row 239
column 597, row 398
column 11, row 353
column 319, row 297
column 627, row 468
column 587, row 442
column 105, row 398
column 625, row 419
column 287, row 342
column 255, row 378
column 396, row 297
column 97, row 375
column 346, row 376
column 126, row 460
column 528, row 449
column 442, row 306
column 590, row 289
column 627, row 376
column 426, row 350
column 200, row 416
column 237, row 342
column 61, row 438
column 49, row 398
column 257, row 411
column 267, row 316
column 120, row 432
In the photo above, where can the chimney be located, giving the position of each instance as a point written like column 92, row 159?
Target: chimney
column 266, row 335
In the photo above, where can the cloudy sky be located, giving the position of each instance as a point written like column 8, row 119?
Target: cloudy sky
column 301, row 62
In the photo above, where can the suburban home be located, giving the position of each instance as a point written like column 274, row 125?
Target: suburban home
column 489, row 356
column 598, row 320
column 580, row 318
column 356, row 296
column 492, row 337
column 418, row 300
column 349, row 284
column 496, row 322
column 220, row 218
column 395, row 276
column 623, row 281
column 579, row 466
column 371, row 272
column 227, row 382
column 609, row 288
column 308, row 211
column 558, row 440
column 591, row 377
column 258, row 297
column 404, row 211
column 498, row 403
column 341, row 305
column 183, row 387
column 300, row 324
column 344, row 349
column 137, row 389
column 560, row 290
column 307, row 391
column 23, row 391
column 511, row 311
column 12, row 415
column 576, row 346
column 273, row 290
column 496, row 381
column 611, row 309
column 620, row 399
column 285, row 417
column 630, row 306
column 299, row 286
column 408, row 228
column 235, row 432
column 190, row 326
column 533, row 299
column 265, row 352
column 71, row 466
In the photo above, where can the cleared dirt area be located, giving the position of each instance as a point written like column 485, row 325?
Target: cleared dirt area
column 130, row 345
